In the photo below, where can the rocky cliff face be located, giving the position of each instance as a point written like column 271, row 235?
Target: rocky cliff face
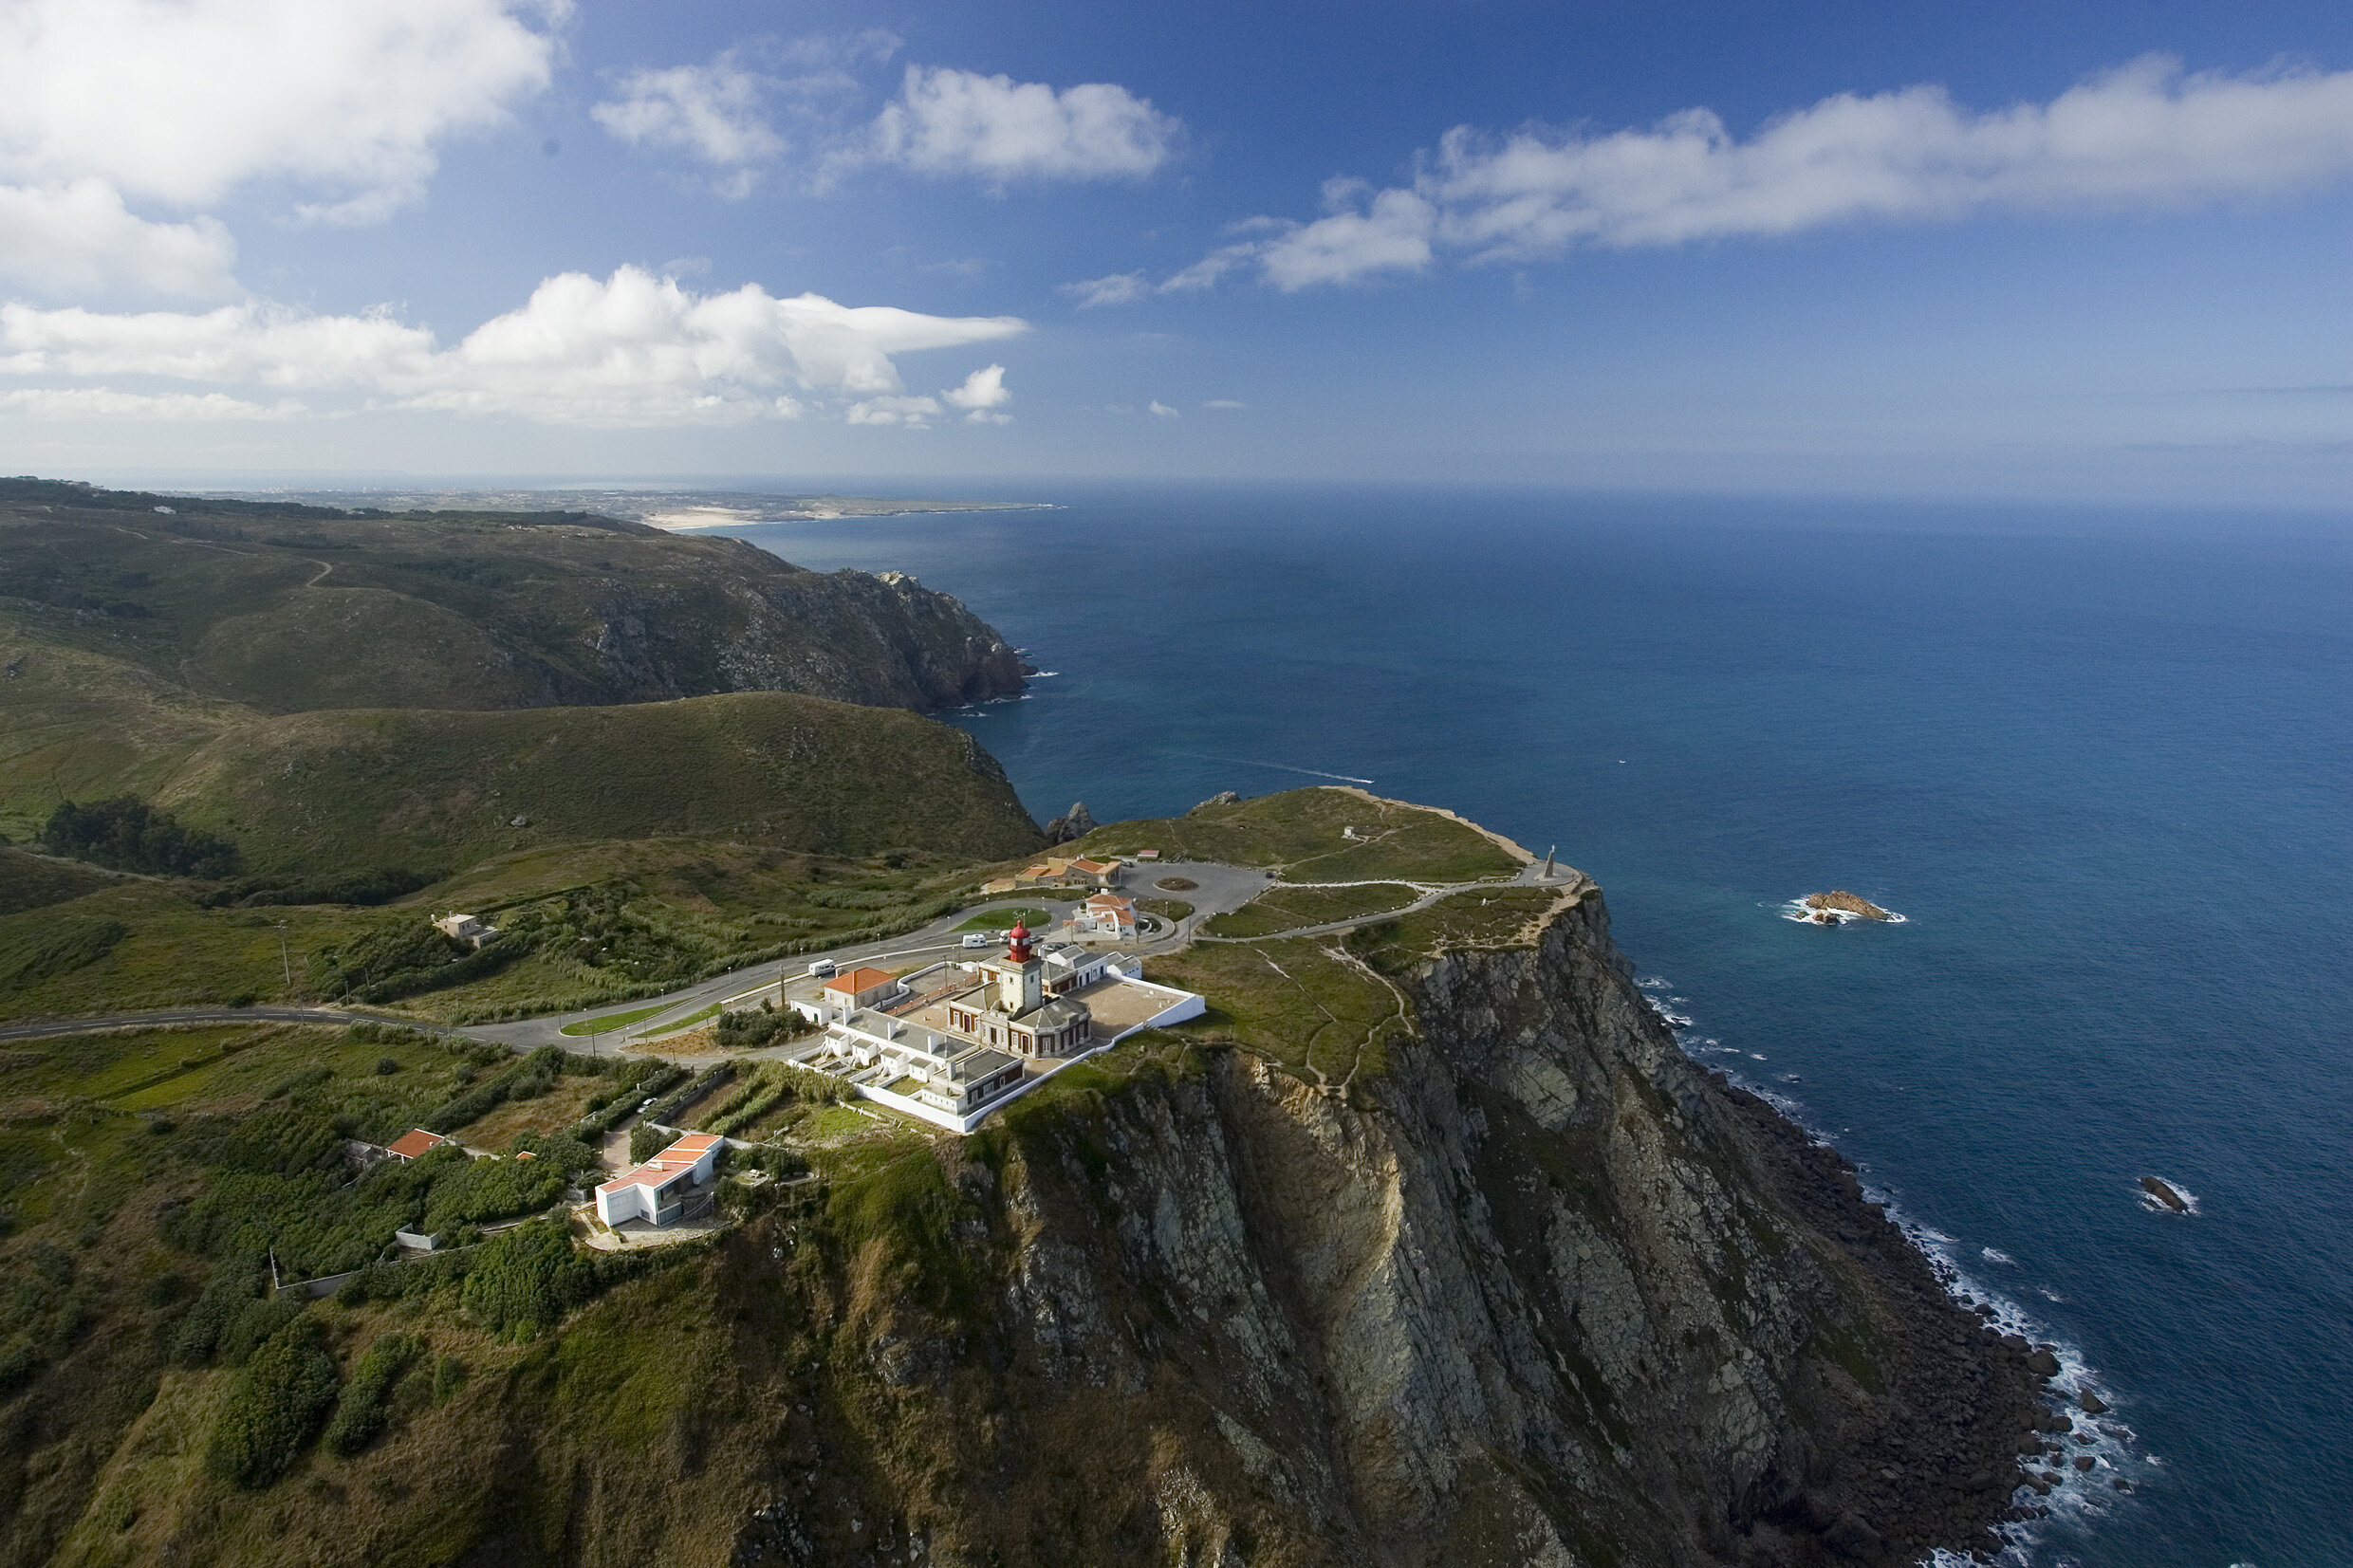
column 1546, row 1293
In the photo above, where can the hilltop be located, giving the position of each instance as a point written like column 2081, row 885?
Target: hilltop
column 132, row 625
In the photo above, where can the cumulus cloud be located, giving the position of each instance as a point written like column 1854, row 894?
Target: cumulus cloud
column 713, row 112
column 2143, row 137
column 78, row 239
column 948, row 121
column 103, row 402
column 1119, row 289
column 983, row 392
column 181, row 100
column 630, row 349
column 909, row 412
column 1162, row 410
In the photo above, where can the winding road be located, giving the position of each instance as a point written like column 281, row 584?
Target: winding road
column 1217, row 890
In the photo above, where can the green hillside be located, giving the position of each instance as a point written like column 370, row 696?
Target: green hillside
column 335, row 791
column 285, row 608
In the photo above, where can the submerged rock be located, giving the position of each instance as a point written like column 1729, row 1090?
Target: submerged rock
column 2164, row 1194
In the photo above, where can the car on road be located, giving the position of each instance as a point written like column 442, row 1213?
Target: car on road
column 824, row 969
column 647, row 1106
column 977, row 939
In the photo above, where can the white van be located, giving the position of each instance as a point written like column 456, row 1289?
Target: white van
column 978, row 939
column 824, row 969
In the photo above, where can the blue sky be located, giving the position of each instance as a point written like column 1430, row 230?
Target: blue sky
column 2062, row 253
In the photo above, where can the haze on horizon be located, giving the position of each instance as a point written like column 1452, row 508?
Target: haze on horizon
column 2014, row 251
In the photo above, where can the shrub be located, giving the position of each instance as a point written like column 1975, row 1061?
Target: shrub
column 386, row 1066
column 61, row 948
column 527, row 1278
column 448, row 1375
column 226, row 1295
column 359, row 1415
column 274, row 1408
column 129, row 835
column 646, row 1141
column 255, row 1324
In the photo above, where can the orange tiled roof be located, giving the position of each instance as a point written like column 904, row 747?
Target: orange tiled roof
column 862, row 979
column 416, row 1141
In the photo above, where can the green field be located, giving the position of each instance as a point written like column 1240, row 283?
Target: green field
column 1304, row 833
column 1282, row 909
column 1004, row 919
column 609, row 1023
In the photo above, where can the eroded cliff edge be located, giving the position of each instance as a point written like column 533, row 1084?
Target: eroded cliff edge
column 1541, row 1292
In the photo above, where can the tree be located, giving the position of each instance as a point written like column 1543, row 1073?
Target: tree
column 274, row 1408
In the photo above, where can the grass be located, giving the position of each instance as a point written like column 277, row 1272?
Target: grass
column 1304, row 833
column 1281, row 908
column 1293, row 1003
column 1170, row 909
column 326, row 792
column 1005, row 919
column 1465, row 920
column 566, row 1102
column 32, row 882
column 609, row 1023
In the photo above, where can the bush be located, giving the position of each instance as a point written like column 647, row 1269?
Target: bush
column 527, row 1278
column 255, row 1324
column 274, row 1408
column 386, row 1066
column 58, row 950
column 359, row 1415
column 128, row 835
column 448, row 1375
column 233, row 1285
column 646, row 1141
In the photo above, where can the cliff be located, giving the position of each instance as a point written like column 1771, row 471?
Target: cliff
column 288, row 609
column 1543, row 1293
column 1425, row 1247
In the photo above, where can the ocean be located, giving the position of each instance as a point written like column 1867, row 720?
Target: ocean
column 2101, row 763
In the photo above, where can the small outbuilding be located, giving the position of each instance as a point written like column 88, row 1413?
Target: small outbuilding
column 414, row 1143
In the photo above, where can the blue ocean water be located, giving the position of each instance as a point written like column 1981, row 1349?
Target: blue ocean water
column 2101, row 763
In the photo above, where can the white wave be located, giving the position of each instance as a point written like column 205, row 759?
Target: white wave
column 1655, row 983
column 1043, row 675
column 1797, row 909
column 1995, row 1255
column 2151, row 1202
column 1285, row 767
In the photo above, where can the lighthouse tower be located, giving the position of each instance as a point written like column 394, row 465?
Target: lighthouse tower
column 1020, row 981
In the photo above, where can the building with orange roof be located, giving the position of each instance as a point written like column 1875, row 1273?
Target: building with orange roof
column 862, row 987
column 662, row 1189
column 413, row 1143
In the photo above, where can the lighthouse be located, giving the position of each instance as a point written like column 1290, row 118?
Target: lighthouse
column 1020, row 983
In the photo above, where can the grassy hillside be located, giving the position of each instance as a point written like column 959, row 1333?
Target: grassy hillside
column 1321, row 834
column 289, row 608
column 334, row 790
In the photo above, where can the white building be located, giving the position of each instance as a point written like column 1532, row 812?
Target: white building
column 465, row 928
column 664, row 1187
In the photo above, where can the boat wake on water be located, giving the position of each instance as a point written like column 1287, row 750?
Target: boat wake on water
column 1281, row 768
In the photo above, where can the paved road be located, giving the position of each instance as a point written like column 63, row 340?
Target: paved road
column 1217, row 889
column 180, row 1015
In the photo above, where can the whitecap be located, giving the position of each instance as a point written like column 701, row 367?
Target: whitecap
column 2150, row 1201
column 1995, row 1255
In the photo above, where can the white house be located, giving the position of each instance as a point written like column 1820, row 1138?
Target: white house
column 465, row 928
column 660, row 1189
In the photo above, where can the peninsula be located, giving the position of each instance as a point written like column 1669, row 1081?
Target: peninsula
column 724, row 1128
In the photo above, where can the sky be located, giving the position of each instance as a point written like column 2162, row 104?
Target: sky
column 2050, row 251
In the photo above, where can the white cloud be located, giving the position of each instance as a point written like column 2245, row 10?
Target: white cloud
column 181, row 100
column 77, row 240
column 710, row 111
column 1119, row 289
column 103, row 402
column 2139, row 138
column 960, row 122
column 983, row 392
column 909, row 412
column 1223, row 402
column 632, row 349
column 1163, row 409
